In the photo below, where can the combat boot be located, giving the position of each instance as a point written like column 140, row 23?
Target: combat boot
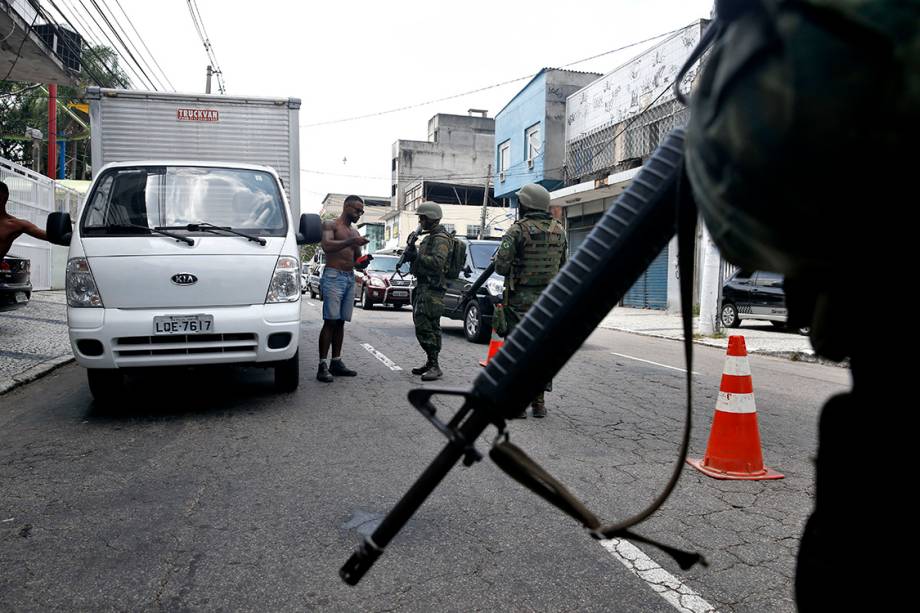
column 433, row 372
column 421, row 369
column 539, row 409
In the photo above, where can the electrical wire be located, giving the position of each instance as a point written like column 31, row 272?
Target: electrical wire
column 149, row 53
column 206, row 41
column 92, row 51
column 100, row 30
column 116, row 22
column 481, row 89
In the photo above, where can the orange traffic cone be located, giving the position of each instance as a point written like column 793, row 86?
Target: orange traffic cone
column 734, row 451
column 494, row 345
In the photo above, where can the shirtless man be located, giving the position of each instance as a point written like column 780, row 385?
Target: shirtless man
column 342, row 246
column 11, row 227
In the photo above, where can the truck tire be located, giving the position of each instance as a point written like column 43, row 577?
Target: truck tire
column 106, row 385
column 287, row 374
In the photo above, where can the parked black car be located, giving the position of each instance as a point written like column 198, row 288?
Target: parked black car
column 475, row 312
column 15, row 282
column 758, row 295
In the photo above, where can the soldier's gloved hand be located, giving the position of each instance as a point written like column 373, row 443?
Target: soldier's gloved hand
column 413, row 236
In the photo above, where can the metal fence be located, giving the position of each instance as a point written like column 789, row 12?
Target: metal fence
column 622, row 145
column 32, row 197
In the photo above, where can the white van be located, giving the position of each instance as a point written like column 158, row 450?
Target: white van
column 183, row 264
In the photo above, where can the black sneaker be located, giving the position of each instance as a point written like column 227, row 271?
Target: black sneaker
column 539, row 409
column 338, row 368
column 322, row 373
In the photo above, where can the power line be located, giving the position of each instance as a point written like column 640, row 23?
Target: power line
column 101, row 31
column 25, row 36
column 83, row 34
column 140, row 38
column 206, row 41
column 481, row 89
column 78, row 52
column 133, row 46
column 139, row 70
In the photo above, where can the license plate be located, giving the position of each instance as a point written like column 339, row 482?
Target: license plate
column 183, row 324
column 400, row 294
column 21, row 297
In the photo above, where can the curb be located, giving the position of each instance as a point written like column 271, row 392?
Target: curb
column 35, row 372
column 793, row 356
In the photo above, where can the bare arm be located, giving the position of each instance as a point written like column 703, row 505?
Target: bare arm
column 32, row 230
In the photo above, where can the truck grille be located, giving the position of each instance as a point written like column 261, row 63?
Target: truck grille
column 190, row 344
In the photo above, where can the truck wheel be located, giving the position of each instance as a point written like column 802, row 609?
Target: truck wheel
column 287, row 374
column 106, row 385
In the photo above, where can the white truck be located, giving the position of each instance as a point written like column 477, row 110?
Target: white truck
column 182, row 262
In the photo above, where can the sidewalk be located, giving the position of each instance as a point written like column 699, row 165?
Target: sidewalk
column 759, row 336
column 33, row 339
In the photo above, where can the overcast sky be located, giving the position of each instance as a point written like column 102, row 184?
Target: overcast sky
column 346, row 59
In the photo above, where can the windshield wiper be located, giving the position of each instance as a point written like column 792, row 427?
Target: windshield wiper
column 134, row 226
column 209, row 227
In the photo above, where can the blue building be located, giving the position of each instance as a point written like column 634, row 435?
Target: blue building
column 530, row 132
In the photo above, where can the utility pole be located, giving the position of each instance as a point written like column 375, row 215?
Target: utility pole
column 709, row 285
column 52, row 131
column 36, row 136
column 207, row 88
column 485, row 202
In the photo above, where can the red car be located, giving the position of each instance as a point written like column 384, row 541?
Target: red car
column 378, row 285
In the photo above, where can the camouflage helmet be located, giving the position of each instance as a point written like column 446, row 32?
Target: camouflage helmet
column 430, row 210
column 534, row 196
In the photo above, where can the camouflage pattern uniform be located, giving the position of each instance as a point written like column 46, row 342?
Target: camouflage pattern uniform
column 531, row 253
column 795, row 97
column 428, row 298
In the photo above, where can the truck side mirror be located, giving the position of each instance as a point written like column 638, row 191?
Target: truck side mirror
column 467, row 270
column 311, row 229
column 59, row 228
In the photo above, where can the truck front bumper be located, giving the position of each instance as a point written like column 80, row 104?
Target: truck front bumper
column 124, row 338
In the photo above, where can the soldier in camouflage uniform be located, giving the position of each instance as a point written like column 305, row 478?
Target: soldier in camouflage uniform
column 791, row 96
column 429, row 263
column 531, row 253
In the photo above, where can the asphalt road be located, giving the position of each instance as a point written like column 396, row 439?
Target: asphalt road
column 207, row 491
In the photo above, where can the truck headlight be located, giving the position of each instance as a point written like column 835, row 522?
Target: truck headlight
column 80, row 285
column 377, row 282
column 285, row 285
column 495, row 287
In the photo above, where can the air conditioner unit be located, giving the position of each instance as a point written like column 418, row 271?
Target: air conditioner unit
column 530, row 163
column 63, row 43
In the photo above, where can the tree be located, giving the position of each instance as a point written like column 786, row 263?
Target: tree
column 25, row 105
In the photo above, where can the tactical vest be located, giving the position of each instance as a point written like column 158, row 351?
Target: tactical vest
column 537, row 260
column 434, row 279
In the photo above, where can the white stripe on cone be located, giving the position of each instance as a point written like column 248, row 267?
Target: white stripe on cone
column 737, row 366
column 736, row 403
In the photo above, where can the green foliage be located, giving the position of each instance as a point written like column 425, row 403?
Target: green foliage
column 25, row 105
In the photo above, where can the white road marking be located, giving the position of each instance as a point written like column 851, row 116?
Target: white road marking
column 629, row 357
column 310, row 303
column 386, row 361
column 669, row 587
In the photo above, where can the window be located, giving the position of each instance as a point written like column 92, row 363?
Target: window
column 504, row 159
column 393, row 190
column 769, row 279
column 394, row 164
column 472, row 231
column 532, row 143
column 449, row 227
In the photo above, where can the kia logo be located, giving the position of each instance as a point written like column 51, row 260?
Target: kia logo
column 184, row 278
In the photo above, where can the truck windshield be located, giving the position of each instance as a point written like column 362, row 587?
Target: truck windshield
column 172, row 197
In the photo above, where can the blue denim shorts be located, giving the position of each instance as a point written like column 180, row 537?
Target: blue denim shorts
column 338, row 290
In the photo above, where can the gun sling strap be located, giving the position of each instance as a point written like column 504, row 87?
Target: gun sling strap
column 520, row 467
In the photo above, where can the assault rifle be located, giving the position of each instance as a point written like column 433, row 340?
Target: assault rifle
column 410, row 244
column 623, row 243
